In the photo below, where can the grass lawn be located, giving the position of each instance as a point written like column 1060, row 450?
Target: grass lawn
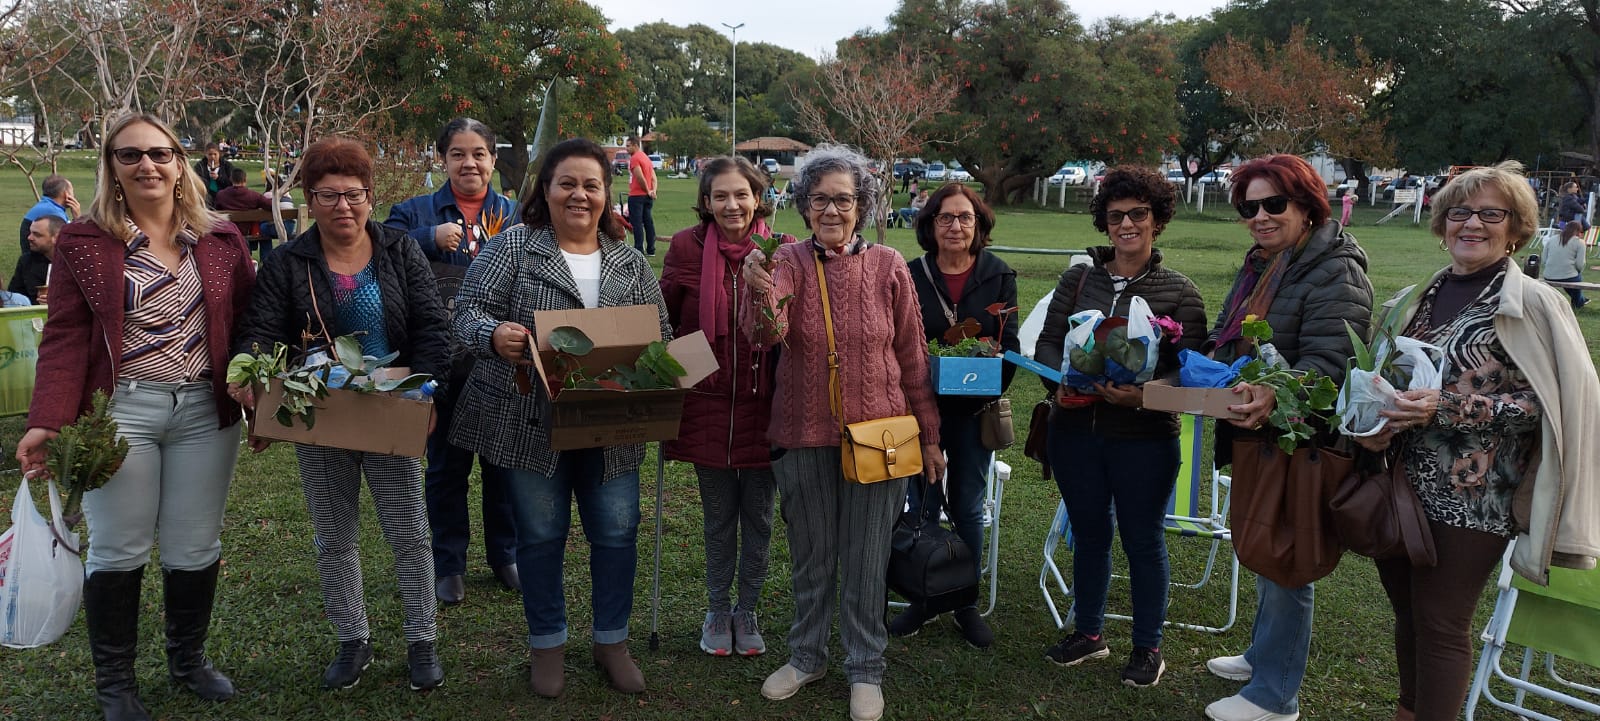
column 270, row 636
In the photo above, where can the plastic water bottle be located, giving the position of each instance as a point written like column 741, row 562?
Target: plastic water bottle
column 423, row 392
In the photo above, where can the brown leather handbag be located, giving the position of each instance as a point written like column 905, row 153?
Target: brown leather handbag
column 1377, row 514
column 1037, row 447
column 1280, row 520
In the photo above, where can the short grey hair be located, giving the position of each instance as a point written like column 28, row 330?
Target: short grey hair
column 827, row 159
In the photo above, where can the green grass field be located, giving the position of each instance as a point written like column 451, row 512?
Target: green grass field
column 270, row 636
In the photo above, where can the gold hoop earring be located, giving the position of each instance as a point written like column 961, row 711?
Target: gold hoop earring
column 119, row 192
column 177, row 192
column 1441, row 244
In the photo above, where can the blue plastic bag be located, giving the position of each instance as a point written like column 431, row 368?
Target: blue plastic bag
column 1197, row 371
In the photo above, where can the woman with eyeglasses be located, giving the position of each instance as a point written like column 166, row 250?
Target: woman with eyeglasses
column 348, row 275
column 146, row 293
column 839, row 530
column 1307, row 278
column 957, row 281
column 1512, row 423
column 1113, row 460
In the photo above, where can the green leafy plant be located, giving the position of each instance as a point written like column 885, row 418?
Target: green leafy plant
column 309, row 381
column 655, row 368
column 767, row 323
column 1390, row 326
column 961, row 340
column 1302, row 395
column 86, row 454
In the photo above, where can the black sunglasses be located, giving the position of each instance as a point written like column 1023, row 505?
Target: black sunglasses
column 131, row 156
column 1275, row 204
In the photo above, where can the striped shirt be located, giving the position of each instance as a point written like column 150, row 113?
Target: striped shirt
column 163, row 315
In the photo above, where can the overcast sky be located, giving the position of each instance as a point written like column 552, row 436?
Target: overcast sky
column 814, row 26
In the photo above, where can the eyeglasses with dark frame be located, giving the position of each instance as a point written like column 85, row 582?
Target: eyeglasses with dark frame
column 1137, row 214
column 819, row 202
column 160, row 155
column 1274, row 204
column 1487, row 215
column 945, row 220
column 330, row 198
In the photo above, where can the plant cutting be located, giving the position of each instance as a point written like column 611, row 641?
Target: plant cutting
column 1374, row 375
column 86, row 454
column 1302, row 396
column 655, row 368
column 961, row 340
column 314, row 375
column 767, row 323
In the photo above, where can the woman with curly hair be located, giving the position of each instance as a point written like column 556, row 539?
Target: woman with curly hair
column 1111, row 456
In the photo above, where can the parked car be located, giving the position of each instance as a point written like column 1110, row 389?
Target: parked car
column 770, row 165
column 1069, row 175
column 914, row 169
column 1099, row 178
column 619, row 163
column 1220, row 176
column 936, row 171
column 959, row 174
column 656, row 160
column 1176, row 177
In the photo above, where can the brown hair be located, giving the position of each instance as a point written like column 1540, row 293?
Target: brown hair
column 729, row 164
column 1293, row 176
column 929, row 241
column 335, row 155
column 1505, row 177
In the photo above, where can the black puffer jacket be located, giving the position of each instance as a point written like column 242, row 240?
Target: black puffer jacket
column 992, row 281
column 413, row 314
column 1168, row 292
column 1324, row 287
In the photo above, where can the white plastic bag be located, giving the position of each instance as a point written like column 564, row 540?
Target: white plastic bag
column 41, row 576
column 1080, row 336
column 1141, row 327
column 1365, row 393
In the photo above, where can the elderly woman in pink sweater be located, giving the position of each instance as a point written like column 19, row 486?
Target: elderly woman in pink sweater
column 838, row 530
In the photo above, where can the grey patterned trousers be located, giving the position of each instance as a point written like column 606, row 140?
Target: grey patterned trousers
column 331, row 479
column 738, row 510
column 837, row 529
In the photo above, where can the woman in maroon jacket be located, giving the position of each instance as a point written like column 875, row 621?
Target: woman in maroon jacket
column 727, row 442
column 146, row 290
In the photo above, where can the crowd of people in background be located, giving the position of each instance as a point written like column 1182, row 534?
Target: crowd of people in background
column 155, row 292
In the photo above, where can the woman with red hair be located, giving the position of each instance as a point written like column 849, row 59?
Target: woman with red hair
column 1307, row 278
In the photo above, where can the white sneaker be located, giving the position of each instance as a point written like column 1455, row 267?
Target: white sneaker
column 1233, row 668
column 866, row 702
column 787, row 681
column 1238, row 708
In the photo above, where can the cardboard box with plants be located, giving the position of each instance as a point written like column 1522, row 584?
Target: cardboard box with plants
column 334, row 401
column 965, row 364
column 609, row 379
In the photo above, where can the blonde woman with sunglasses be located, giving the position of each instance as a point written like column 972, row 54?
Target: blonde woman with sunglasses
column 145, row 295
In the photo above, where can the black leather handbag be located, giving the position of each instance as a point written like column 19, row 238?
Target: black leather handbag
column 929, row 565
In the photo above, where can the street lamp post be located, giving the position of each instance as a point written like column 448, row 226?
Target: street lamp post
column 733, row 107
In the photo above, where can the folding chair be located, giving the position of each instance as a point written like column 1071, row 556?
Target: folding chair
column 1183, row 520
column 1562, row 619
column 994, row 493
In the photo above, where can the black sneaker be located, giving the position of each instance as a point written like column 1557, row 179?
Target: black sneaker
column 974, row 628
column 909, row 622
column 1144, row 668
column 354, row 657
column 423, row 660
column 1076, row 649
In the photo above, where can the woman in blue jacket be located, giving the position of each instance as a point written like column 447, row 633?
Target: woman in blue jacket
column 452, row 226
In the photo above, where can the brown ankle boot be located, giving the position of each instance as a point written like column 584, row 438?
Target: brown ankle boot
column 548, row 676
column 613, row 660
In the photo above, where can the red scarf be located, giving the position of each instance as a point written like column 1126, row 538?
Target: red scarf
column 718, row 254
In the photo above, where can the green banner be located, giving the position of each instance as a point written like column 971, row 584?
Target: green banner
column 20, row 329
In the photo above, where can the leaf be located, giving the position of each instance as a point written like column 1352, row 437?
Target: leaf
column 1363, row 354
column 609, row 384
column 348, row 350
column 1258, row 331
column 967, row 328
column 999, row 309
column 570, row 340
column 410, row 382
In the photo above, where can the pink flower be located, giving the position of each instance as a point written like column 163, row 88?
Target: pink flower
column 1169, row 327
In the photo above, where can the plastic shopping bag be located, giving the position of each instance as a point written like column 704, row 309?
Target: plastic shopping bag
column 1132, row 354
column 41, row 576
column 1082, row 362
column 1365, row 393
column 1195, row 370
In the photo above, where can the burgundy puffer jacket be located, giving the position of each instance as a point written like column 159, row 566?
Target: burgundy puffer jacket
column 725, row 417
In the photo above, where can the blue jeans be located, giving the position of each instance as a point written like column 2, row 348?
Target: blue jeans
column 446, row 481
column 1131, row 478
column 966, row 464
column 1279, row 646
column 1576, row 294
column 609, row 512
column 644, row 225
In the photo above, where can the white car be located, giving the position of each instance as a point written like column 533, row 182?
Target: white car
column 769, row 165
column 936, row 171
column 959, row 174
column 1069, row 175
column 656, row 160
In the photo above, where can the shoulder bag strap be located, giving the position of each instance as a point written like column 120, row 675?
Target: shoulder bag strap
column 326, row 334
column 949, row 313
column 835, row 400
column 1076, row 294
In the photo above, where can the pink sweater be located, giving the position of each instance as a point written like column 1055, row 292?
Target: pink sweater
column 877, row 327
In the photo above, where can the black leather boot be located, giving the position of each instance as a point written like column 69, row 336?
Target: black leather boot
column 189, row 596
column 111, row 610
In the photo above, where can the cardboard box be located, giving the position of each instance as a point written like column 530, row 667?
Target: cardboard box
column 1161, row 395
column 1043, row 371
column 594, row 417
column 369, row 422
column 955, row 376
